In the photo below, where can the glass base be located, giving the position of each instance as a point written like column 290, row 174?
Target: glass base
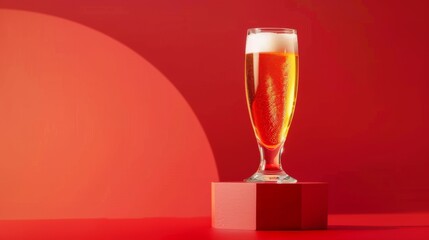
column 274, row 177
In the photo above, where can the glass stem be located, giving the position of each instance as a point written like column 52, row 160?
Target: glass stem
column 271, row 158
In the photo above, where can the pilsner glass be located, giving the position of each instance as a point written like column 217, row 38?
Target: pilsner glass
column 271, row 88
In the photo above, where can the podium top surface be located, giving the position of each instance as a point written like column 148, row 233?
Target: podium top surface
column 298, row 183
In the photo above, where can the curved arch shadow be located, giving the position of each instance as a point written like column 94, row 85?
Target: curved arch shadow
column 92, row 129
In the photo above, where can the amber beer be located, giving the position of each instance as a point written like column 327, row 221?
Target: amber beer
column 271, row 73
column 271, row 94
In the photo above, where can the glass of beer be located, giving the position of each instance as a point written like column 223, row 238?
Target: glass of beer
column 271, row 87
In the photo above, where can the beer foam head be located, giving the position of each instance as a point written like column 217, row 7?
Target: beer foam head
column 272, row 42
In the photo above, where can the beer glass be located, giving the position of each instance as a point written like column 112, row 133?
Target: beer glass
column 271, row 73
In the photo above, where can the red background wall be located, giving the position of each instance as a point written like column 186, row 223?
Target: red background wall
column 362, row 103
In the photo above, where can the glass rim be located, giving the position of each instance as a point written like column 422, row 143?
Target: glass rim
column 271, row 29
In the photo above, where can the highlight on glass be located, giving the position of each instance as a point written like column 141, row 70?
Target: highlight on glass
column 271, row 73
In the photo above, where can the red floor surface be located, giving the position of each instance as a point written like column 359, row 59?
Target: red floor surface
column 362, row 226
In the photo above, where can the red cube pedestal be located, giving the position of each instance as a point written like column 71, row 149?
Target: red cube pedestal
column 269, row 206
